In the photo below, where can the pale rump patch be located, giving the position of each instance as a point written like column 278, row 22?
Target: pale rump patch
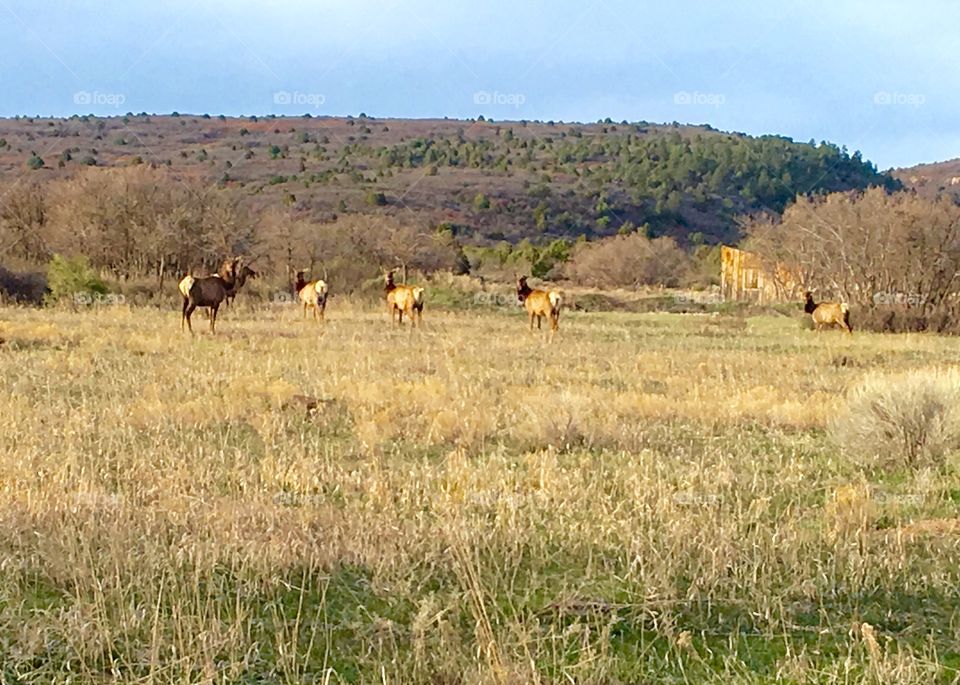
column 185, row 284
column 540, row 304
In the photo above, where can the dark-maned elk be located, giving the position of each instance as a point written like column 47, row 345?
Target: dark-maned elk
column 403, row 299
column 827, row 313
column 208, row 291
column 242, row 276
column 313, row 295
column 540, row 304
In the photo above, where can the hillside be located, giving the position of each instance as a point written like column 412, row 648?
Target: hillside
column 931, row 180
column 489, row 181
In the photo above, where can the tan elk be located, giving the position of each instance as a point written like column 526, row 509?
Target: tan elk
column 403, row 299
column 208, row 291
column 313, row 295
column 827, row 313
column 540, row 304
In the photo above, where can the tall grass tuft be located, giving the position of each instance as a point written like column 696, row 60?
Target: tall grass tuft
column 902, row 418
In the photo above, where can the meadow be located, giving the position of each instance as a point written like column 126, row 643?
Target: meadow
column 651, row 498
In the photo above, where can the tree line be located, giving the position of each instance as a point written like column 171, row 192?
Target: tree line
column 142, row 222
column 894, row 256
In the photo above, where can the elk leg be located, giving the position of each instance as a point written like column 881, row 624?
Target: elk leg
column 539, row 322
column 213, row 317
column 304, row 311
column 187, row 313
column 183, row 312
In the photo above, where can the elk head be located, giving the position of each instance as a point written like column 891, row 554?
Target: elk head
column 522, row 290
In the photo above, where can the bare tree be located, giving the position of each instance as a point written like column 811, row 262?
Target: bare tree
column 628, row 261
column 23, row 215
column 873, row 249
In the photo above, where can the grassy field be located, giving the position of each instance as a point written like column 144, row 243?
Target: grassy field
column 652, row 498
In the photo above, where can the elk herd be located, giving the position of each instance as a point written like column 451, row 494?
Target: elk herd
column 210, row 292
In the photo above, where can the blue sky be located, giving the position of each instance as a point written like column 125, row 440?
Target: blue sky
column 877, row 76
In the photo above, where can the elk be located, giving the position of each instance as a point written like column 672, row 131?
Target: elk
column 827, row 313
column 540, row 304
column 403, row 299
column 313, row 295
column 245, row 273
column 208, row 291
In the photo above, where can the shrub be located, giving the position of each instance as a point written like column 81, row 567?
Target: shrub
column 70, row 278
column 911, row 418
column 628, row 261
column 481, row 202
column 376, row 199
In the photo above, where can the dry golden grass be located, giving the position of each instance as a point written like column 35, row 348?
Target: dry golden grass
column 649, row 498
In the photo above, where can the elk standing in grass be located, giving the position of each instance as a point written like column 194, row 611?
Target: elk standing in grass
column 403, row 299
column 827, row 313
column 208, row 291
column 540, row 304
column 245, row 273
column 313, row 295
column 241, row 278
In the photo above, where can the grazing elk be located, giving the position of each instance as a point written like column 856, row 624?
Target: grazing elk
column 540, row 304
column 827, row 313
column 403, row 299
column 208, row 291
column 313, row 295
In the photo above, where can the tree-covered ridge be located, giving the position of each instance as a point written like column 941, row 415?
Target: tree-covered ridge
column 487, row 181
column 634, row 178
